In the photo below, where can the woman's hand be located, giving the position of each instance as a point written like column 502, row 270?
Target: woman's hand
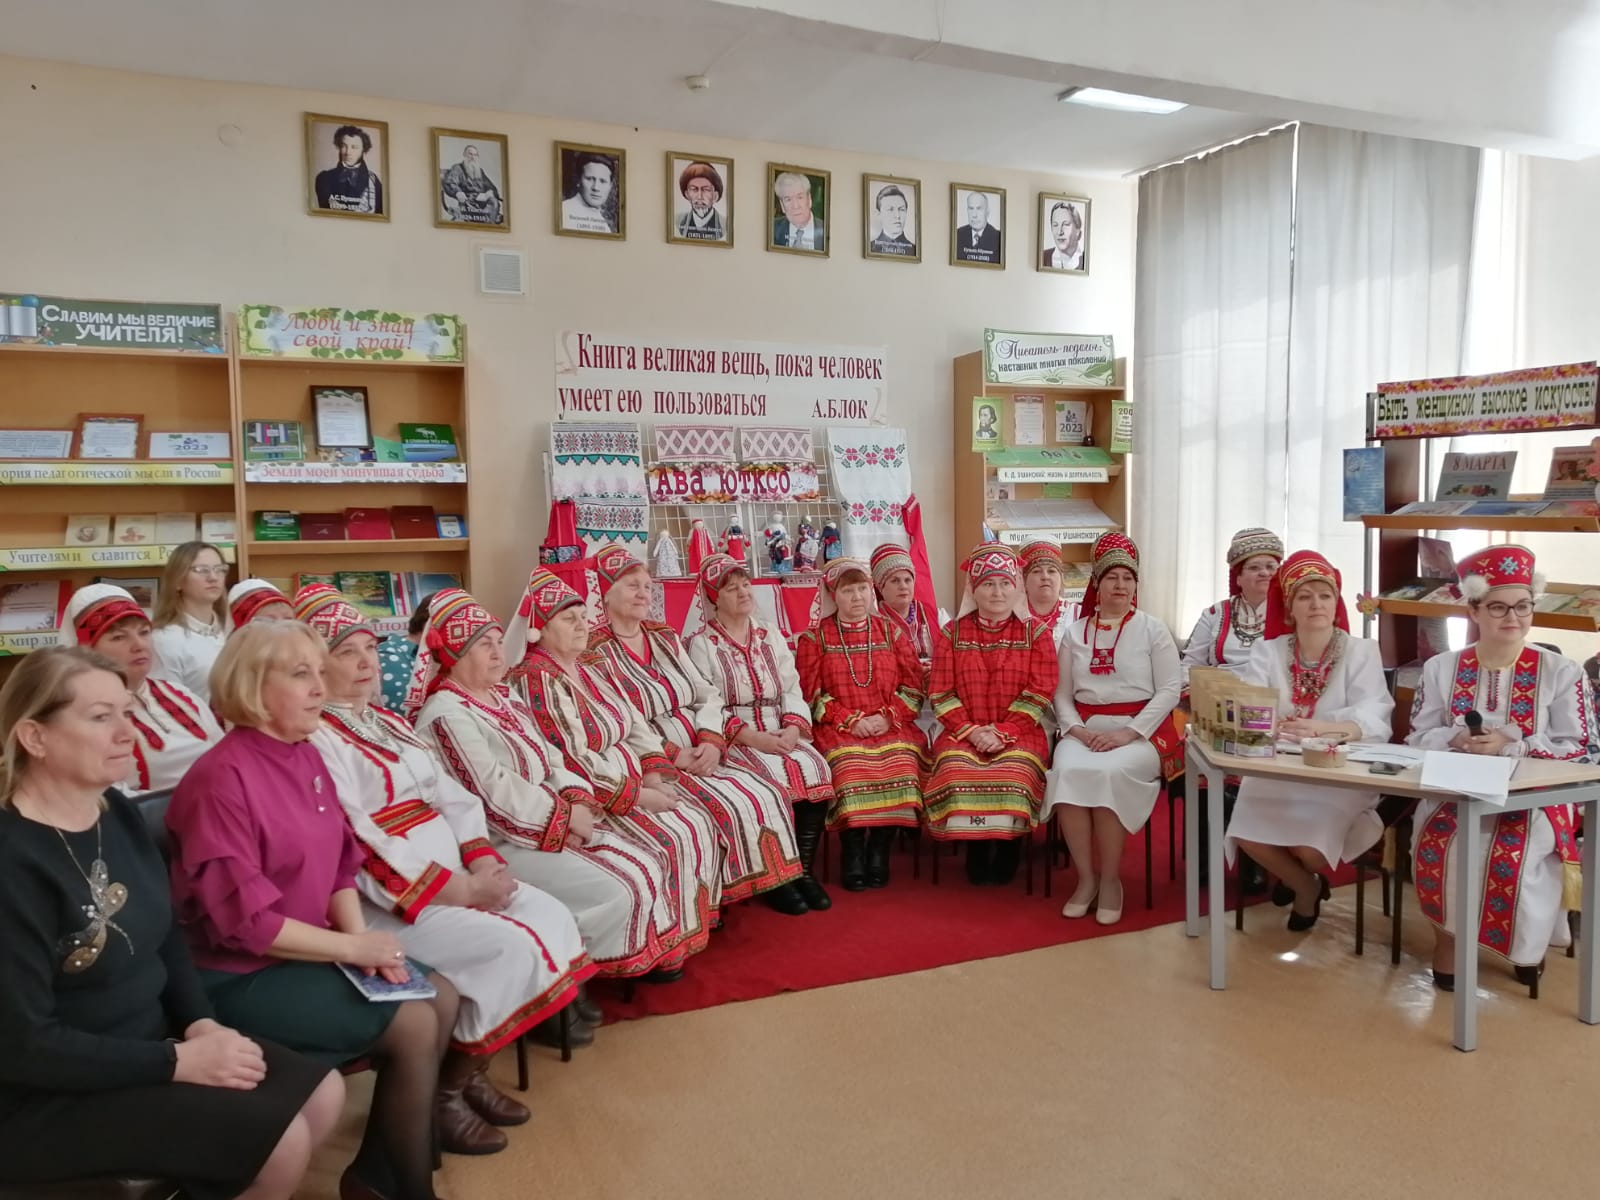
column 580, row 827
column 375, row 951
column 219, row 1057
column 766, row 743
column 707, row 758
column 492, row 885
column 1298, row 728
column 1490, row 741
column 655, row 800
column 790, row 739
column 986, row 740
column 871, row 726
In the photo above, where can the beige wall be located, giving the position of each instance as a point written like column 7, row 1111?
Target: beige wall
column 117, row 185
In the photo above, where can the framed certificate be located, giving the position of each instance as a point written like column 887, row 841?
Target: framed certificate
column 35, row 443
column 342, row 418
column 108, row 435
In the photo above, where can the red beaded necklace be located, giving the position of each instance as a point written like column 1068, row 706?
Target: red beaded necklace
column 1103, row 659
column 1307, row 683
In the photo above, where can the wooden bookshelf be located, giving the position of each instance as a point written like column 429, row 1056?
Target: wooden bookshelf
column 972, row 474
column 1531, row 524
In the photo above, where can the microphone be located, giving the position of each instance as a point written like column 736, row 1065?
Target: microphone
column 1474, row 722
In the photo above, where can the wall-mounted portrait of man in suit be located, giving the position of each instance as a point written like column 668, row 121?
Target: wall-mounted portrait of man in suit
column 800, row 197
column 977, row 226
column 891, row 212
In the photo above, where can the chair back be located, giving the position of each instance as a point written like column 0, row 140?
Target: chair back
column 152, row 807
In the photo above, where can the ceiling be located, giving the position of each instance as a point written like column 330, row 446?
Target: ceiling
column 773, row 78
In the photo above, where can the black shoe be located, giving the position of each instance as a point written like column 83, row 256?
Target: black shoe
column 1003, row 865
column 980, row 863
column 1299, row 923
column 878, row 843
column 1282, row 894
column 808, row 822
column 853, row 859
column 586, row 1010
column 1444, row 981
column 1252, row 879
column 1528, row 977
column 663, row 975
column 786, row 900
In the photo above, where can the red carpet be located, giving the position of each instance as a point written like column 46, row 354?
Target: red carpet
column 909, row 926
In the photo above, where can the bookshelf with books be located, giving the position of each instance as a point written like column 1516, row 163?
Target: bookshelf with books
column 1405, row 419
column 1052, row 466
column 388, row 503
column 91, row 493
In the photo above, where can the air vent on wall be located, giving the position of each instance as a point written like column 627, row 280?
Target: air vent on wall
column 502, row 272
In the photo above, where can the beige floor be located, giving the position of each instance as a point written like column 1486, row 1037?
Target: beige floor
column 1103, row 1069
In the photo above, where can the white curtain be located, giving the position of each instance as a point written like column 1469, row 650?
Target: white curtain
column 1210, row 371
column 1382, row 261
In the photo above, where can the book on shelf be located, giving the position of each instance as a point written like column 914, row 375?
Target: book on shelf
column 322, row 527
column 413, row 521
column 428, row 443
column 1416, row 589
column 1553, row 602
column 134, row 529
column 34, row 606
column 1585, row 604
column 145, row 590
column 88, row 529
column 1571, row 508
column 273, row 441
column 1507, row 508
column 275, row 525
column 372, row 592
column 367, row 524
column 307, row 578
column 419, row 585
column 1363, row 482
column 1445, row 593
column 1569, row 477
column 219, row 527
column 176, row 528
column 451, row 525
column 1432, row 508
column 1049, row 514
column 1436, row 559
column 1476, row 476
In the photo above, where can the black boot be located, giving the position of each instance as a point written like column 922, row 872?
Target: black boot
column 980, row 862
column 853, row 859
column 786, row 900
column 585, row 1009
column 878, row 843
column 1003, row 866
column 808, row 822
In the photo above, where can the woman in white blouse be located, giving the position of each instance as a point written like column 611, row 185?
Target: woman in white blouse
column 1330, row 685
column 1531, row 703
column 1119, row 683
column 191, row 617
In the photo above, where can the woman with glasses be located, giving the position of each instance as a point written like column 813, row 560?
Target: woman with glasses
column 191, row 617
column 1531, row 703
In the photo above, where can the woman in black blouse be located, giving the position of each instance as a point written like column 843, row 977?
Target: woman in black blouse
column 110, row 1060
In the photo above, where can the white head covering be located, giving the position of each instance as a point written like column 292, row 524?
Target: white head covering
column 94, row 609
column 245, row 590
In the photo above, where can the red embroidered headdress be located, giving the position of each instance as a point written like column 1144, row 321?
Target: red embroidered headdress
column 95, row 609
column 544, row 597
column 1109, row 550
column 1301, row 567
column 992, row 560
column 1497, row 567
column 887, row 559
column 326, row 610
column 248, row 597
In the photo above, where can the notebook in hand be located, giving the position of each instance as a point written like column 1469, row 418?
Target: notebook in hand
column 380, row 991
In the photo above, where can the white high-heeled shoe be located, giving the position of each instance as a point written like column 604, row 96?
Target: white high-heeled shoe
column 1072, row 910
column 1108, row 916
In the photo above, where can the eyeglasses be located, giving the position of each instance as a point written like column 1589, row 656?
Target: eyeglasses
column 209, row 572
column 1497, row 610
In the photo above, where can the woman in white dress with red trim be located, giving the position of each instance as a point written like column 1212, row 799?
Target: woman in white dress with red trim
column 1531, row 703
column 1330, row 685
column 543, row 818
column 431, row 878
column 172, row 727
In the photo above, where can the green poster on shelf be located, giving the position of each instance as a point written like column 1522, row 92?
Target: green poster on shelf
column 119, row 324
column 1121, row 427
column 986, row 424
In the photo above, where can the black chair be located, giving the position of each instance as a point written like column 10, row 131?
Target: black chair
column 91, row 1189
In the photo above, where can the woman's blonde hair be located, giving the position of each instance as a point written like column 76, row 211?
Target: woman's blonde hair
column 169, row 603
column 39, row 688
column 240, row 672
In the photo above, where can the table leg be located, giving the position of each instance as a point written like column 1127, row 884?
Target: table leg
column 1589, row 932
column 1465, row 905
column 1215, row 884
column 1191, row 848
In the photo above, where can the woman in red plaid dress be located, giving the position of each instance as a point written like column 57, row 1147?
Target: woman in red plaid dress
column 994, row 671
column 860, row 676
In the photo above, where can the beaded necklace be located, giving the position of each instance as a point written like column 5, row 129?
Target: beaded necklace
column 1247, row 629
column 849, row 654
column 1103, row 659
column 1308, row 682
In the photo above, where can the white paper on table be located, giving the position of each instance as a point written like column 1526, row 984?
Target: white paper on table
column 1480, row 776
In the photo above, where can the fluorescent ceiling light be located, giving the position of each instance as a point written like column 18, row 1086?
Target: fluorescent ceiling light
column 1121, row 101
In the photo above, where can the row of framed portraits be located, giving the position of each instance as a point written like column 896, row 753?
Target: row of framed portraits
column 347, row 164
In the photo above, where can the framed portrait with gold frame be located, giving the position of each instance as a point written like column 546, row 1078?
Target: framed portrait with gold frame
column 977, row 226
column 798, row 200
column 591, row 191
column 472, row 178
column 347, row 166
column 891, row 218
column 699, row 199
column 1063, row 234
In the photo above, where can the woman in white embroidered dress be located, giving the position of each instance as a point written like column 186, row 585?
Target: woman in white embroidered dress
column 543, row 818
column 654, row 670
column 1119, row 682
column 1532, row 703
column 765, row 720
column 172, row 727
column 431, row 878
column 1331, row 685
column 1224, row 634
column 582, row 711
column 190, row 618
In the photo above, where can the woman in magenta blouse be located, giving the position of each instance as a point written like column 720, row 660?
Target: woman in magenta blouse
column 263, row 875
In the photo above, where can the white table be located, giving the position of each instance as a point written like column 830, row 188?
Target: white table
column 1536, row 783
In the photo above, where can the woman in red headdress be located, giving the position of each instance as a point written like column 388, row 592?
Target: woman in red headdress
column 994, row 668
column 1329, row 685
column 651, row 665
column 1043, row 576
column 1119, row 682
column 860, row 675
column 1531, row 703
